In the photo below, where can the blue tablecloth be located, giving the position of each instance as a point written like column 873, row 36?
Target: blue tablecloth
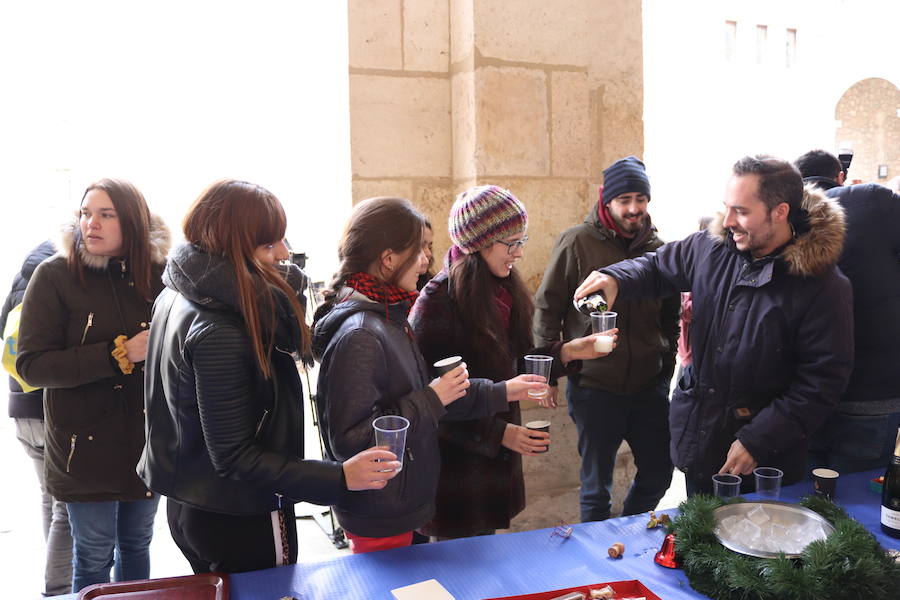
column 519, row 563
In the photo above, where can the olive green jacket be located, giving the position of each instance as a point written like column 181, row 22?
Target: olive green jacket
column 648, row 329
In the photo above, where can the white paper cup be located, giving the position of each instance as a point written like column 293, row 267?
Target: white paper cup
column 445, row 365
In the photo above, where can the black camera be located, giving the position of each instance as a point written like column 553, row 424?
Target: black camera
column 299, row 259
column 846, row 157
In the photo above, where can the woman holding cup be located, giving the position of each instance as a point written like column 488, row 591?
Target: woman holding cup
column 372, row 367
column 479, row 308
column 224, row 399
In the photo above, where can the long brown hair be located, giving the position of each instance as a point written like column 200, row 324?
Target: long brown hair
column 134, row 223
column 376, row 225
column 472, row 288
column 231, row 219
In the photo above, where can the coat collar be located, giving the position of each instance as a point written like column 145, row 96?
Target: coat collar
column 160, row 242
column 812, row 253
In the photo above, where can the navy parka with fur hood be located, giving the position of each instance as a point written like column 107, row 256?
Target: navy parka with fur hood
column 772, row 341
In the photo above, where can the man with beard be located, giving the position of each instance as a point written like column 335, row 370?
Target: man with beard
column 623, row 396
column 772, row 334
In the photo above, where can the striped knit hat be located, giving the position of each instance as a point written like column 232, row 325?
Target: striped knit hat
column 484, row 214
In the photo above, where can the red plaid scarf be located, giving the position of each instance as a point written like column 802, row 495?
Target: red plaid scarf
column 379, row 291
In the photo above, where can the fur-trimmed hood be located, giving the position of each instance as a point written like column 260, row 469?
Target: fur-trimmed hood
column 160, row 242
column 814, row 252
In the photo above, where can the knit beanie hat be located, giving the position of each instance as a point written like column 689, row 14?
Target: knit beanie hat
column 623, row 177
column 484, row 214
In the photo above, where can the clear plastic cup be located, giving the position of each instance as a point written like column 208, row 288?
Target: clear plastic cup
column 538, row 364
column 726, row 486
column 601, row 322
column 768, row 482
column 390, row 431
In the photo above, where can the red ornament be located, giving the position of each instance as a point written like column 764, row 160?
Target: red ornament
column 666, row 556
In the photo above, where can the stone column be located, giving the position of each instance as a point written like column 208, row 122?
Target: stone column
column 537, row 97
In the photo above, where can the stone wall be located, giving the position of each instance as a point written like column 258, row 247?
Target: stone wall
column 869, row 117
column 534, row 96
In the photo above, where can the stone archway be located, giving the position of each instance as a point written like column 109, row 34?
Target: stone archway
column 869, row 117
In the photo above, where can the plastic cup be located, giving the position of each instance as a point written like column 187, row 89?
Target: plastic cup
column 390, row 431
column 726, row 486
column 538, row 364
column 768, row 482
column 825, row 482
column 600, row 322
column 539, row 426
column 445, row 365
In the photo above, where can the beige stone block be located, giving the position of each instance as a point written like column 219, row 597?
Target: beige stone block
column 570, row 132
column 535, row 32
column 618, row 125
column 434, row 199
column 400, row 126
column 462, row 30
column 511, row 122
column 371, row 188
column 463, row 119
column 375, row 34
column 426, row 35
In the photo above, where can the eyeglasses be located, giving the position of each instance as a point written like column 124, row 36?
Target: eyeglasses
column 511, row 247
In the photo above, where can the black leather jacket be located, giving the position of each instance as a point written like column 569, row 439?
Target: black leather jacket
column 221, row 437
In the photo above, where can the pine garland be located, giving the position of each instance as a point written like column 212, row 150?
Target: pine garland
column 848, row 564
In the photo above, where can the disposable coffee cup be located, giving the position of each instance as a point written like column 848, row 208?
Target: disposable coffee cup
column 539, row 426
column 445, row 365
column 825, row 482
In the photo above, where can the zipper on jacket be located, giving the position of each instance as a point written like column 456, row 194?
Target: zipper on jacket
column 71, row 451
column 124, row 270
column 88, row 325
column 262, row 420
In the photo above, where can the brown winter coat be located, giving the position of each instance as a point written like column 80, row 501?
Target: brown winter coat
column 481, row 486
column 94, row 414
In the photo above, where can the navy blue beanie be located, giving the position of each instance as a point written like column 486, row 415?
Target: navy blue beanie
column 623, row 177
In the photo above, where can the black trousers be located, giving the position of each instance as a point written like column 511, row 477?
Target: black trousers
column 216, row 542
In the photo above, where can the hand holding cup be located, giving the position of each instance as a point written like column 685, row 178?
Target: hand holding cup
column 370, row 469
column 452, row 385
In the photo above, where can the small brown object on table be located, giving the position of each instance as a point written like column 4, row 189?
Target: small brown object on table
column 616, row 550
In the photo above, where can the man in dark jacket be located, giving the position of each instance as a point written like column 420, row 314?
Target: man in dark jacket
column 626, row 394
column 860, row 435
column 772, row 334
column 27, row 409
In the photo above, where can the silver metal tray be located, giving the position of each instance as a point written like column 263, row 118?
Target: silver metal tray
column 783, row 527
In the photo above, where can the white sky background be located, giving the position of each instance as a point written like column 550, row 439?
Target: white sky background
column 702, row 113
column 172, row 96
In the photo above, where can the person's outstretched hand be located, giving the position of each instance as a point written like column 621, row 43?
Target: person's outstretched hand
column 517, row 388
column 362, row 472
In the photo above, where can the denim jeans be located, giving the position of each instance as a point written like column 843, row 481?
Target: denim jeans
column 603, row 420
column 849, row 443
column 111, row 533
column 58, row 563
